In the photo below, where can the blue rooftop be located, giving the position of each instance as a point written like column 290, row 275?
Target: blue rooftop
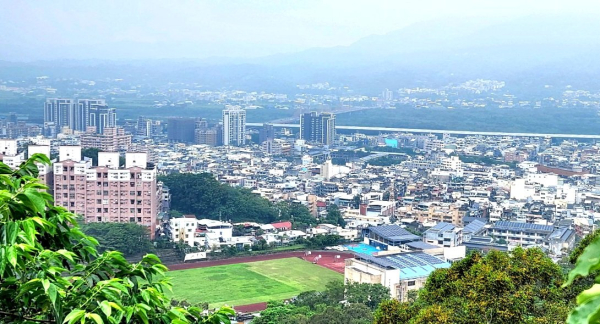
column 505, row 225
column 443, row 226
column 362, row 248
column 474, row 227
column 420, row 245
column 393, row 233
column 411, row 265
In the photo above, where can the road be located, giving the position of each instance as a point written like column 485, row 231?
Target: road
column 440, row 131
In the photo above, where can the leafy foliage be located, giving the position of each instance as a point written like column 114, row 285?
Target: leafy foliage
column 91, row 153
column 320, row 241
column 327, row 306
column 334, row 216
column 523, row 286
column 50, row 271
column 128, row 238
column 297, row 213
column 586, row 267
column 202, row 195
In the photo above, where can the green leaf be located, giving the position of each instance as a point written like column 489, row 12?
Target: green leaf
column 129, row 314
column 106, row 309
column 74, row 316
column 11, row 255
column 146, row 296
column 2, row 260
column 587, row 262
column 29, row 230
column 141, row 314
column 115, row 306
column 67, row 254
column 95, row 317
column 42, row 222
column 178, row 321
column 36, row 198
column 52, row 293
column 11, row 231
column 588, row 312
column 46, row 285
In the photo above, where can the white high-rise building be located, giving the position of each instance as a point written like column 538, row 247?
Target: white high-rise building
column 234, row 126
column 76, row 114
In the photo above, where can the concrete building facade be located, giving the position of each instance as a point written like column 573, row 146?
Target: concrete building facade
column 234, row 126
column 113, row 139
column 107, row 193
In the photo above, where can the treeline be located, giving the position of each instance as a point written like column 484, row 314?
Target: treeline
column 128, row 238
column 522, row 286
column 485, row 160
column 386, row 161
column 202, row 195
column 353, row 303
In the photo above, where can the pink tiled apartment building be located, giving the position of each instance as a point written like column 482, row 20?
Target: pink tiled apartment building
column 108, row 192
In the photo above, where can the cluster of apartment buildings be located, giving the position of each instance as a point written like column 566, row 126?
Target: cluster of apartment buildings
column 442, row 196
column 110, row 191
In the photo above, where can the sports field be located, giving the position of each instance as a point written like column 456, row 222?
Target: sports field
column 249, row 283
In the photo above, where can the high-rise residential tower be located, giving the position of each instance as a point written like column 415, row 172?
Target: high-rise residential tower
column 267, row 132
column 78, row 114
column 234, row 126
column 318, row 128
column 102, row 117
column 181, row 129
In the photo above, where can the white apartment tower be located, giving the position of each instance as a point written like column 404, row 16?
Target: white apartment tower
column 234, row 126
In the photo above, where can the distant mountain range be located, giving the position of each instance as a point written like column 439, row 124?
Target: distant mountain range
column 527, row 53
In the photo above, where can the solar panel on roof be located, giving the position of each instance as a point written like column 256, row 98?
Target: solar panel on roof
column 379, row 261
column 521, row 226
column 389, row 231
column 443, row 226
column 474, row 226
column 418, row 262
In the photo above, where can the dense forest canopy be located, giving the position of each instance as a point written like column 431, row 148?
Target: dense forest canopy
column 202, row 195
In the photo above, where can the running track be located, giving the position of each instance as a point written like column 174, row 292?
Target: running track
column 327, row 260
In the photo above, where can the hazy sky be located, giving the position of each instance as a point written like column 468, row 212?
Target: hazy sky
column 236, row 28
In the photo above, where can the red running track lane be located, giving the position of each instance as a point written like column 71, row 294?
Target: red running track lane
column 327, row 260
column 252, row 308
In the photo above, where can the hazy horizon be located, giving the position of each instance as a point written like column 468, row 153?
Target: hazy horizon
column 237, row 29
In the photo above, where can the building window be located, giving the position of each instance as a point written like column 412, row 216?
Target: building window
column 411, row 283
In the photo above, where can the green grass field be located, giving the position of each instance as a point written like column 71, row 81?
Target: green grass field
column 249, row 283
